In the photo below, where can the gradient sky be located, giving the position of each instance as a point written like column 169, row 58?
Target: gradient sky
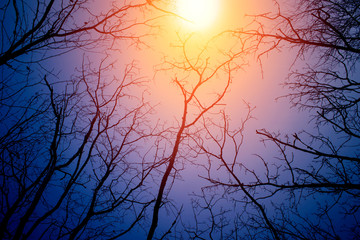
column 257, row 82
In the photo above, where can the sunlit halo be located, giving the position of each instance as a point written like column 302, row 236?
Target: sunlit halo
column 200, row 14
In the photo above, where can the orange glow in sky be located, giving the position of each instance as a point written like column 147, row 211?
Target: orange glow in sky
column 200, row 13
column 202, row 44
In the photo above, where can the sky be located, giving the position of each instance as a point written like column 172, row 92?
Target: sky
column 170, row 49
column 257, row 83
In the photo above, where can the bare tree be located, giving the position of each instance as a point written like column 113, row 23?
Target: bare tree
column 41, row 26
column 71, row 160
column 195, row 70
column 73, row 152
column 311, row 190
column 79, row 156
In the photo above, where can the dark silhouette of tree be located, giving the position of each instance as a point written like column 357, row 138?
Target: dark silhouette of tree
column 40, row 26
column 81, row 155
column 71, row 147
column 311, row 190
column 71, row 159
column 196, row 69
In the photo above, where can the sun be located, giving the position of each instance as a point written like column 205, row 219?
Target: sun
column 200, row 14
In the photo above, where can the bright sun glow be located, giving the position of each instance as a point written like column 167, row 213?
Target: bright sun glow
column 201, row 14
